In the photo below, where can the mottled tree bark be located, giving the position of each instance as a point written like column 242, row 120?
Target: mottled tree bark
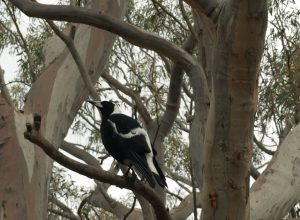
column 228, row 146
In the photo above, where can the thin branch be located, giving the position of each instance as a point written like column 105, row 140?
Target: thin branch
column 169, row 13
column 76, row 56
column 175, row 195
column 139, row 104
column 23, row 42
column 32, row 134
column 262, row 147
column 175, row 176
column 131, row 209
column 81, row 205
column 67, row 212
column 63, row 214
column 60, row 204
column 187, row 21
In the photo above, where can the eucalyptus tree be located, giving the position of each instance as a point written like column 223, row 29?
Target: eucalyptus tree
column 188, row 71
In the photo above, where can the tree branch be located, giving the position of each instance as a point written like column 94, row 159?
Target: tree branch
column 254, row 172
column 81, row 67
column 281, row 175
column 262, row 147
column 186, row 207
column 67, row 212
column 80, row 154
column 178, row 177
column 140, row 106
column 66, row 215
column 32, row 134
column 173, row 101
column 129, row 32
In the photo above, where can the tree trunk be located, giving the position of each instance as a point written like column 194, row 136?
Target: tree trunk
column 56, row 96
column 228, row 146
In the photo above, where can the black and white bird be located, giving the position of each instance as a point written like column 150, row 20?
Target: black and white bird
column 126, row 141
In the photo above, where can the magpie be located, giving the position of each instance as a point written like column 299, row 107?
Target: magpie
column 127, row 142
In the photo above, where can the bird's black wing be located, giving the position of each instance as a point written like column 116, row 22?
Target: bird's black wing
column 124, row 123
column 130, row 130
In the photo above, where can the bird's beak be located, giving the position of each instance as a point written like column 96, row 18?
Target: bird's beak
column 95, row 103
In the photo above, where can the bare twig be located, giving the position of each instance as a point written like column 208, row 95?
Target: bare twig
column 64, row 214
column 186, row 18
column 67, row 212
column 140, row 106
column 175, row 195
column 262, row 147
column 22, row 42
column 131, row 209
column 169, row 13
column 82, row 204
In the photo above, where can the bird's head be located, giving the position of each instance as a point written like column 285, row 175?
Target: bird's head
column 106, row 108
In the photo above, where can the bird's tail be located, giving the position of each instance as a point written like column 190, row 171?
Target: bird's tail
column 160, row 178
column 142, row 168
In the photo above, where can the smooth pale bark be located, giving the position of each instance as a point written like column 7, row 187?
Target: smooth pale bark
column 276, row 190
column 56, row 95
column 228, row 145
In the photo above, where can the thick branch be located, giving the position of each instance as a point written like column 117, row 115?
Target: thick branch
column 129, row 32
column 100, row 175
column 174, row 94
column 281, row 175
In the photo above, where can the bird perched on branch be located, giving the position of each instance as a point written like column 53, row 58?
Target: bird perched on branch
column 126, row 141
